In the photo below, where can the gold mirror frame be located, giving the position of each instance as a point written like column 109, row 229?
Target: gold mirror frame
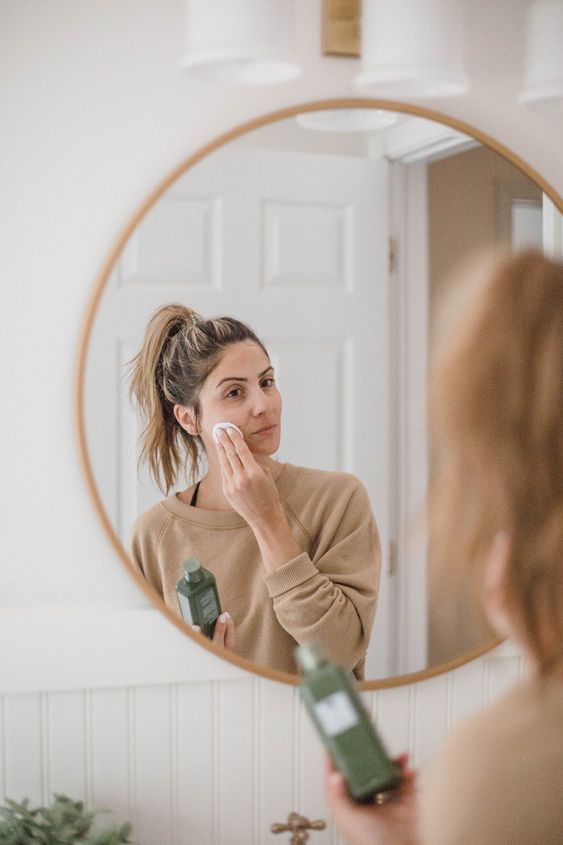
column 221, row 140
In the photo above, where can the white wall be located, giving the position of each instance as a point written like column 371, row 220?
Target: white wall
column 94, row 113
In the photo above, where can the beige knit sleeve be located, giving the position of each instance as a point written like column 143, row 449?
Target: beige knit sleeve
column 329, row 596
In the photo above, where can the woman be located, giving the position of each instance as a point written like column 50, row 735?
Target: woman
column 496, row 511
column 295, row 551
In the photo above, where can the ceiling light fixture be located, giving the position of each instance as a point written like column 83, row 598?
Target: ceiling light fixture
column 244, row 42
column 412, row 48
column 543, row 75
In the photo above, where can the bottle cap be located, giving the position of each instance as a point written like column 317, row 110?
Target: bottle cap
column 310, row 656
column 192, row 569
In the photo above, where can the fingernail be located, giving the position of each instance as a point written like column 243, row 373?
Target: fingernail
column 196, row 628
column 223, row 618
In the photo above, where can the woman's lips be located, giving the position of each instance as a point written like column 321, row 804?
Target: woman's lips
column 266, row 430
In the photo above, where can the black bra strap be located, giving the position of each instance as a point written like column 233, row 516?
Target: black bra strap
column 193, row 501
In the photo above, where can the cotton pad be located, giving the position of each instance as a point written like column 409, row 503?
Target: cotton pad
column 224, row 425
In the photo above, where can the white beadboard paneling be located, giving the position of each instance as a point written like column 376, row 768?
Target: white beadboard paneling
column 216, row 762
column 310, row 758
column 277, row 757
column 24, row 750
column 196, row 794
column 66, row 742
column 237, row 733
column 153, row 785
column 110, row 767
column 2, row 745
column 392, row 713
column 467, row 691
column 502, row 672
column 430, row 718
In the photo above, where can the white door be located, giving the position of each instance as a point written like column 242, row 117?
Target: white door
column 297, row 246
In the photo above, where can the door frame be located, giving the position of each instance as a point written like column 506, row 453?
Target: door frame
column 410, row 150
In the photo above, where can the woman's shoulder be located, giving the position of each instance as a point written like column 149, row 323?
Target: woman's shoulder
column 153, row 519
column 299, row 479
column 318, row 477
column 490, row 765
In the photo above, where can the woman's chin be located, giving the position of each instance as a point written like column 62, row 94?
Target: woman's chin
column 264, row 450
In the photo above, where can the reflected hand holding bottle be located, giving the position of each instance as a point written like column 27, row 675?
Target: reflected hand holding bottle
column 224, row 634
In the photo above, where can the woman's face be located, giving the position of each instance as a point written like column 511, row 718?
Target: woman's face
column 242, row 390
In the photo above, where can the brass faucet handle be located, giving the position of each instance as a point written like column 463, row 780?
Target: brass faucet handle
column 298, row 825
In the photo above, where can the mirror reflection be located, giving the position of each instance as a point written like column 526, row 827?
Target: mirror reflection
column 333, row 246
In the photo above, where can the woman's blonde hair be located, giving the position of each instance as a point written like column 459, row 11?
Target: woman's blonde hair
column 179, row 351
column 496, row 418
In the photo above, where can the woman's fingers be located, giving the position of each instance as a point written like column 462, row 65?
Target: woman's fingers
column 240, row 462
column 237, row 451
column 230, row 633
column 224, row 463
column 241, row 449
column 224, row 634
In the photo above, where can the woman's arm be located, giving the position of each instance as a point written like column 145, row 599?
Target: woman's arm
column 251, row 490
column 328, row 595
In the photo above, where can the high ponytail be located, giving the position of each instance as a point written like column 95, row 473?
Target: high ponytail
column 179, row 351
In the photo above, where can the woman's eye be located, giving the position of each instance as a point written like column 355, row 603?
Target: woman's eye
column 268, row 382
column 234, row 393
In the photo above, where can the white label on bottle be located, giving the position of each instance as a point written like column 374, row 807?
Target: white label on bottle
column 336, row 713
column 185, row 609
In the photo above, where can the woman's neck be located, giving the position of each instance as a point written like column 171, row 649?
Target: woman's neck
column 210, row 496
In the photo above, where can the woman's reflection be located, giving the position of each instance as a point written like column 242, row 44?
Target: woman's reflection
column 295, row 551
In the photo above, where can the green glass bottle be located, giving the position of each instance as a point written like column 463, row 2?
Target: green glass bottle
column 334, row 704
column 198, row 597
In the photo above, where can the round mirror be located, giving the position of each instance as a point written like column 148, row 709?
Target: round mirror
column 332, row 238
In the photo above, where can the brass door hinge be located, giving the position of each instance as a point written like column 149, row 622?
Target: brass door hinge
column 392, row 254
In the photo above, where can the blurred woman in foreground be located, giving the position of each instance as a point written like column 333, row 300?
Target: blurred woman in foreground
column 496, row 513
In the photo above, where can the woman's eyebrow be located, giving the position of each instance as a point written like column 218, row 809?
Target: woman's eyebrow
column 242, row 378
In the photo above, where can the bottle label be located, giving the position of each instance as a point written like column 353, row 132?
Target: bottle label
column 208, row 607
column 185, row 609
column 336, row 713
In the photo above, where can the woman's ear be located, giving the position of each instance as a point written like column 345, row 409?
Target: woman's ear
column 494, row 584
column 186, row 417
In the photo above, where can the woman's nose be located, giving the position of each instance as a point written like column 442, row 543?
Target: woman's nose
column 259, row 403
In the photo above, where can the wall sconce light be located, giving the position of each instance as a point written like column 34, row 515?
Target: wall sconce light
column 244, row 42
column 409, row 47
column 412, row 48
column 543, row 75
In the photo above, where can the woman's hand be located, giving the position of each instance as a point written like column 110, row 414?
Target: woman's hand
column 248, row 487
column 251, row 490
column 224, row 633
column 391, row 823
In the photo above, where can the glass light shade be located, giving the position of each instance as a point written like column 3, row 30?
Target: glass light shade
column 412, row 48
column 346, row 120
column 543, row 78
column 245, row 42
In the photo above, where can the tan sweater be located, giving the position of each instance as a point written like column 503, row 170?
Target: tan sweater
column 327, row 594
column 499, row 778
